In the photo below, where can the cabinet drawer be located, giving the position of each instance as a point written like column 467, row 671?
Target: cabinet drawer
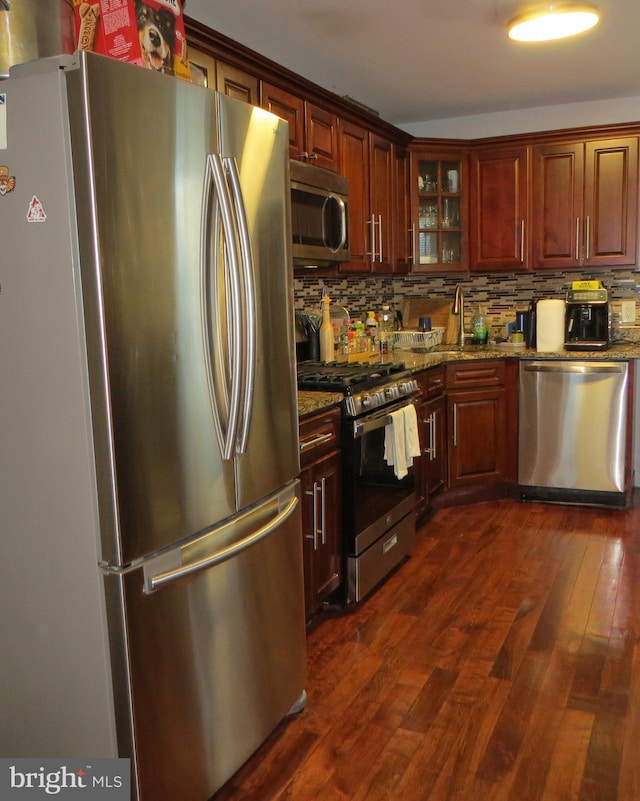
column 463, row 375
column 319, row 435
column 431, row 382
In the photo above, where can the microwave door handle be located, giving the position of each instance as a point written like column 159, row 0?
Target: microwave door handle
column 232, row 300
column 343, row 223
column 326, row 232
column 249, row 328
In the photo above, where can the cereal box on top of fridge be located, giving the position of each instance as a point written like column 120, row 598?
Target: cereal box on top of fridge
column 145, row 32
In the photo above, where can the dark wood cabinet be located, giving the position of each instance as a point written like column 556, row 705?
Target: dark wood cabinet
column 353, row 150
column 321, row 145
column 401, row 208
column 290, row 108
column 366, row 160
column 440, row 211
column 321, row 504
column 216, row 74
column 431, row 467
column 585, row 204
column 380, row 195
column 476, row 423
column 500, row 220
column 236, row 83
column 313, row 132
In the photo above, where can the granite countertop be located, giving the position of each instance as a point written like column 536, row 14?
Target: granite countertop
column 449, row 353
column 310, row 402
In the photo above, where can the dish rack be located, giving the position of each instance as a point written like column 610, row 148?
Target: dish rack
column 408, row 340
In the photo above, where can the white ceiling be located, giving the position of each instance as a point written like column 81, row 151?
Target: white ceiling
column 415, row 60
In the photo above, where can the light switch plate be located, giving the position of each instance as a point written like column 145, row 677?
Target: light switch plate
column 628, row 311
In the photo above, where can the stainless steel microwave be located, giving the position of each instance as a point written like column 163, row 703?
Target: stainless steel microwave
column 319, row 216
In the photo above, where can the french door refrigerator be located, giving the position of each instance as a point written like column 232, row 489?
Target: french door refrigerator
column 151, row 579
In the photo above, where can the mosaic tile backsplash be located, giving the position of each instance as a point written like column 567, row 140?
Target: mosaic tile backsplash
column 498, row 295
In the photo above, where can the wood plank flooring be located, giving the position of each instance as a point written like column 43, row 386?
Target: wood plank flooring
column 500, row 663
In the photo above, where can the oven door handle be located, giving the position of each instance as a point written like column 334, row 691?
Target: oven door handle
column 374, row 421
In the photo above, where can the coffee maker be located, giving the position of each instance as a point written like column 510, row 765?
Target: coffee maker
column 587, row 319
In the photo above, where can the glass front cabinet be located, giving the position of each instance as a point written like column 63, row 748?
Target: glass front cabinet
column 440, row 212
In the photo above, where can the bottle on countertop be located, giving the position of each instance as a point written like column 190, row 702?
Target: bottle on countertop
column 371, row 327
column 385, row 331
column 480, row 328
column 327, row 353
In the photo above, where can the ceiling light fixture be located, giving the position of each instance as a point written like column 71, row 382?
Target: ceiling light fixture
column 555, row 21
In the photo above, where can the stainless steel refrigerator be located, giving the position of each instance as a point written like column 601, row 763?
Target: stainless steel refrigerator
column 151, row 568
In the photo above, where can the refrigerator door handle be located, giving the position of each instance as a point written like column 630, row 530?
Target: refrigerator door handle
column 155, row 582
column 224, row 379
column 249, row 326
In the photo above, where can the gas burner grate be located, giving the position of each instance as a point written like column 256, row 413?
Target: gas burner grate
column 344, row 376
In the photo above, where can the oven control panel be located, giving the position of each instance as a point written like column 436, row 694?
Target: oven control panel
column 366, row 400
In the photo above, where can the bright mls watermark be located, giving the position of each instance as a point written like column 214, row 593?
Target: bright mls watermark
column 33, row 779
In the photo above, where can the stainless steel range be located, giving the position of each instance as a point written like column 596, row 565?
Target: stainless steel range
column 378, row 507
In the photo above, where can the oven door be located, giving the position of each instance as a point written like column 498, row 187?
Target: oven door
column 376, row 499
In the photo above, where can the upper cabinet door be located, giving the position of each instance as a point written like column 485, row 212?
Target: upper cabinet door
column 499, row 209
column 440, row 208
column 321, row 145
column 313, row 132
column 558, row 181
column 208, row 71
column 402, row 239
column 585, row 204
column 611, row 203
column 289, row 108
column 237, row 83
column 380, row 224
column 353, row 143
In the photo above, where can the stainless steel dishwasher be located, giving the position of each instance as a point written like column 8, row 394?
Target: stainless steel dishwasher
column 573, row 431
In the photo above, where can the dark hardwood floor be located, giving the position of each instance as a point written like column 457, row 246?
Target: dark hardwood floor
column 500, row 663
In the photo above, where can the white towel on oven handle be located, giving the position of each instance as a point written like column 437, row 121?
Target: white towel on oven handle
column 401, row 440
column 411, row 437
column 395, row 445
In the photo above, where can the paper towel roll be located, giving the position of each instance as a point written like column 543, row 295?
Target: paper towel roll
column 550, row 325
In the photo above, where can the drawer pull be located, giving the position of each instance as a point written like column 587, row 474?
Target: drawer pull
column 390, row 543
column 320, row 439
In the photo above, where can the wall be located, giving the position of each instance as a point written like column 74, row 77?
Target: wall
column 544, row 118
column 499, row 295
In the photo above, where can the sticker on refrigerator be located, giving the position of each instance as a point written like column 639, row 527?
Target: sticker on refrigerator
column 7, row 182
column 36, row 211
column 3, row 120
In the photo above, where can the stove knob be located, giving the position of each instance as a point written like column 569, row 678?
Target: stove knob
column 366, row 401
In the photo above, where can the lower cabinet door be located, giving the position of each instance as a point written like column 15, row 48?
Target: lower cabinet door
column 477, row 450
column 321, row 524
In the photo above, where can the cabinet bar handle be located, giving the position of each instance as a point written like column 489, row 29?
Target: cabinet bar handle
column 522, row 241
column 412, row 232
column 381, row 259
column 455, row 425
column 372, row 223
column 314, row 516
column 323, row 511
column 577, row 238
column 434, row 439
column 587, row 236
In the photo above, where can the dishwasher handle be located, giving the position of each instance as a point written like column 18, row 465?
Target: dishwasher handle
column 582, row 368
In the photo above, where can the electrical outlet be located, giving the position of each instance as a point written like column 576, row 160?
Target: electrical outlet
column 628, row 311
